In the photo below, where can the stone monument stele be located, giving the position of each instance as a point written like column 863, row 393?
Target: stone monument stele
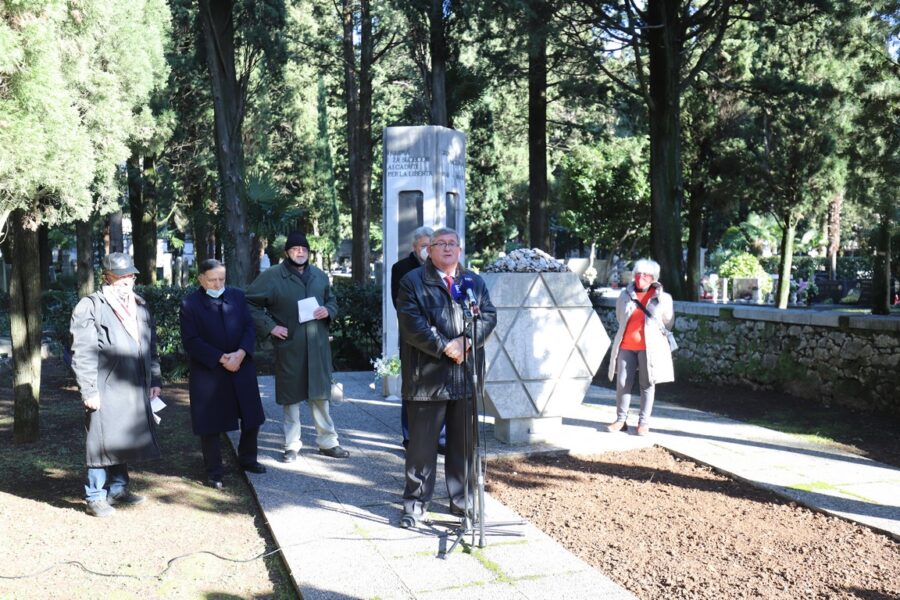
column 424, row 185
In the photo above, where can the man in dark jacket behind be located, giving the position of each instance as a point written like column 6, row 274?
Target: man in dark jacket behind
column 217, row 332
column 421, row 237
column 436, row 384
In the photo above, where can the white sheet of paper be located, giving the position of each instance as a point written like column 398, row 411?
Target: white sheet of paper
column 156, row 404
column 305, row 309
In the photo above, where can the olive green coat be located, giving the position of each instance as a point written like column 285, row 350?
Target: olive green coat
column 303, row 359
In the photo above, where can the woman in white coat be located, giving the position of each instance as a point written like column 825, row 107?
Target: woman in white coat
column 641, row 348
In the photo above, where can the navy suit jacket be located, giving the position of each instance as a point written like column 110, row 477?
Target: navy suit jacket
column 210, row 329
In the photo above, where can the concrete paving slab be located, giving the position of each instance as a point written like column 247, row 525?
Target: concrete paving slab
column 492, row 591
column 337, row 520
column 577, row 585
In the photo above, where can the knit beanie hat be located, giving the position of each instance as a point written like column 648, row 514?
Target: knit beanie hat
column 295, row 238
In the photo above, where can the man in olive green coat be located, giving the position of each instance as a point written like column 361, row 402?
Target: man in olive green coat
column 302, row 349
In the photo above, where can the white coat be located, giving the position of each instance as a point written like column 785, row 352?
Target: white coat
column 659, row 357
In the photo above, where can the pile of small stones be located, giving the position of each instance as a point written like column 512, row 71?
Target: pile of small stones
column 524, row 260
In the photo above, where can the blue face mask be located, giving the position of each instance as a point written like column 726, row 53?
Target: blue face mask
column 216, row 293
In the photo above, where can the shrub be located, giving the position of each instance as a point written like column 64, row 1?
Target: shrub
column 854, row 267
column 745, row 264
column 164, row 303
column 357, row 328
column 56, row 307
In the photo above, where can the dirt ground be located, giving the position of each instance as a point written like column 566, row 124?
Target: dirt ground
column 660, row 526
column 664, row 527
column 159, row 549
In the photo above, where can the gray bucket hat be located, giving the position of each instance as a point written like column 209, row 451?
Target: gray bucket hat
column 119, row 264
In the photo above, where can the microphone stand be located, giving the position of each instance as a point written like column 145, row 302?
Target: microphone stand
column 475, row 451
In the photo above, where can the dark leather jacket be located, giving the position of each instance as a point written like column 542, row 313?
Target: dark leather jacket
column 429, row 319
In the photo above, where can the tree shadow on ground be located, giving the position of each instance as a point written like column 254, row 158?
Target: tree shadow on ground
column 871, row 434
column 605, row 467
column 52, row 469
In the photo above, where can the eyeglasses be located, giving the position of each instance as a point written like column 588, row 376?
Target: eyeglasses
column 442, row 245
column 636, row 275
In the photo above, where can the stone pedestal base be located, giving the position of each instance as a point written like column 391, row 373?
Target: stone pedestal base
column 526, row 430
column 390, row 386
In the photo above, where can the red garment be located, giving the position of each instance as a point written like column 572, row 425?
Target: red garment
column 633, row 338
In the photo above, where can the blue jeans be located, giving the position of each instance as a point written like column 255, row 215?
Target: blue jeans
column 99, row 479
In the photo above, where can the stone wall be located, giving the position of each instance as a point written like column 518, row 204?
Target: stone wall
column 851, row 360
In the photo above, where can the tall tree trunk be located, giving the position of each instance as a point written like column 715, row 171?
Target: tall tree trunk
column 84, row 266
column 881, row 265
column 358, row 98
column 229, row 101
column 46, row 256
column 834, row 231
column 142, row 204
column 200, row 228
column 325, row 165
column 366, row 146
column 116, row 236
column 788, row 231
column 438, row 50
column 134, row 168
column 538, row 219
column 695, row 238
column 664, row 110
column 25, row 327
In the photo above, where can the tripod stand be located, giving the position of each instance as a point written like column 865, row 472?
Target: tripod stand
column 476, row 452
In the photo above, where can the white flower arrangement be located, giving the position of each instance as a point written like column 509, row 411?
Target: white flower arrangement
column 386, row 366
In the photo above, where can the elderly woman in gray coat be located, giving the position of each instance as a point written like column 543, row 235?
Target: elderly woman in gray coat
column 117, row 367
column 641, row 351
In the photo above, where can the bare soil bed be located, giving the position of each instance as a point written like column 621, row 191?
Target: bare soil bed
column 664, row 527
column 43, row 525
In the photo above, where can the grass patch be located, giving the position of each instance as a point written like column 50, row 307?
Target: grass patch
column 822, row 486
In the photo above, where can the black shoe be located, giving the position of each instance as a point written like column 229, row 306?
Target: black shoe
column 254, row 468
column 125, row 497
column 289, row 456
column 409, row 520
column 458, row 511
column 442, row 449
column 215, row 484
column 336, row 452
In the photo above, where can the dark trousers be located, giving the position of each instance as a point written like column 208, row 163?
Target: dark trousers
column 404, row 426
column 211, row 446
column 425, row 423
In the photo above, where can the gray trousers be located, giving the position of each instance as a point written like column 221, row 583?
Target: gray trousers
column 628, row 364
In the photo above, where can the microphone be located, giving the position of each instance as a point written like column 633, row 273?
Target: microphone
column 456, row 293
column 468, row 283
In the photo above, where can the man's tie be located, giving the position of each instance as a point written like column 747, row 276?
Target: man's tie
column 449, row 281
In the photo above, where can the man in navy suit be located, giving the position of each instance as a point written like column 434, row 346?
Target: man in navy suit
column 218, row 334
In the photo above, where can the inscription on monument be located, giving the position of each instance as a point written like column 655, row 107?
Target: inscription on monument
column 400, row 164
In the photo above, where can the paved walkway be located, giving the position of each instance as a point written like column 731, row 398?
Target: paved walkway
column 336, row 520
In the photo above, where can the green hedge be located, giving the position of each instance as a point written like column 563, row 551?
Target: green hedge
column 357, row 328
column 804, row 267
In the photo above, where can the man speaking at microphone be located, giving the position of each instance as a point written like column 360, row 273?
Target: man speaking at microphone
column 437, row 380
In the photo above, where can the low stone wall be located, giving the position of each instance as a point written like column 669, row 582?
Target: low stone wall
column 851, row 360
